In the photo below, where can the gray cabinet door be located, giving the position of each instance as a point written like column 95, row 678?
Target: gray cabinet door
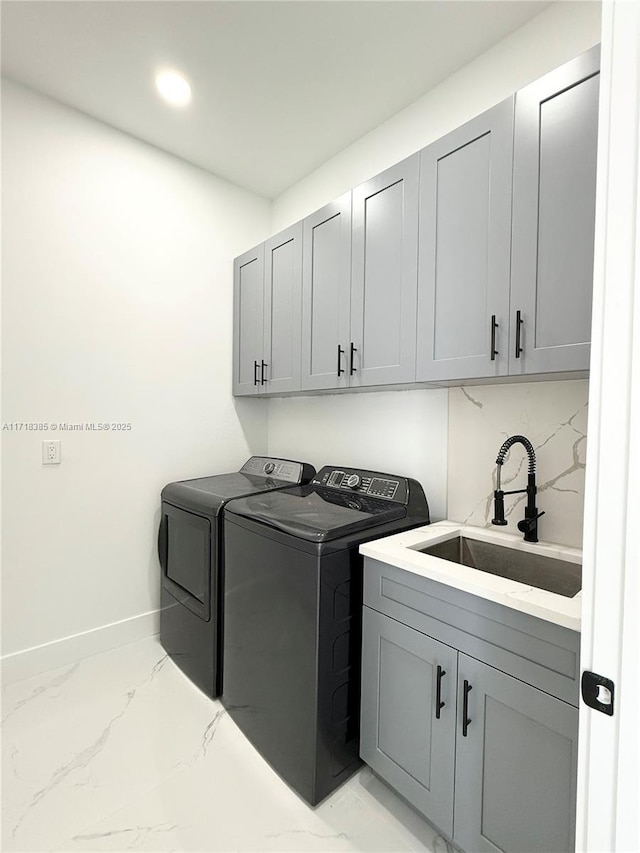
column 384, row 276
column 326, row 287
column 248, row 320
column 283, row 310
column 465, row 249
column 401, row 736
column 515, row 768
column 554, row 187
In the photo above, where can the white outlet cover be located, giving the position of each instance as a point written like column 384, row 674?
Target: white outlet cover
column 51, row 452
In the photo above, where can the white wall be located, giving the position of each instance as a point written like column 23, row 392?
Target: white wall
column 558, row 34
column 117, row 307
column 406, row 432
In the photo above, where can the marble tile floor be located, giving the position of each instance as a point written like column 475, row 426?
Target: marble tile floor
column 121, row 752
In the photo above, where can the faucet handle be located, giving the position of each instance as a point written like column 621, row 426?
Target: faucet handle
column 527, row 524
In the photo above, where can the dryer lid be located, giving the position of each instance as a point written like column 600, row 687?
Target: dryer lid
column 258, row 474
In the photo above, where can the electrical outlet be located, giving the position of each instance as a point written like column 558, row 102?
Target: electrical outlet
column 51, row 452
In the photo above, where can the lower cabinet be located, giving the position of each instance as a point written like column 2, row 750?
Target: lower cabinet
column 407, row 731
column 488, row 759
column 516, row 765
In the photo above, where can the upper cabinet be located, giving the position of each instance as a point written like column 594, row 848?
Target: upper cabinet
column 465, row 244
column 267, row 315
column 554, row 192
column 470, row 259
column 326, row 296
column 359, row 284
column 248, row 321
column 282, row 309
column 507, row 214
column 384, row 273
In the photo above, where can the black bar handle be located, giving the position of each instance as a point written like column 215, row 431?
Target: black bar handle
column 466, row 689
column 494, row 326
column 439, row 703
column 519, row 324
column 162, row 544
column 340, row 354
column 262, row 376
column 352, row 350
column 255, row 372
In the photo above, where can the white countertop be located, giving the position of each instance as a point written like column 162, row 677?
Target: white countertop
column 401, row 550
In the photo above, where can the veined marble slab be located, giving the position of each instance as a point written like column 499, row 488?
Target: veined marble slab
column 402, row 550
column 553, row 416
column 121, row 752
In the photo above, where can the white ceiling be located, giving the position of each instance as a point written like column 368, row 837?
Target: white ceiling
column 278, row 87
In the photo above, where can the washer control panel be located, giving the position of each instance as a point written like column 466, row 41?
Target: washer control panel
column 277, row 469
column 354, row 480
column 370, row 483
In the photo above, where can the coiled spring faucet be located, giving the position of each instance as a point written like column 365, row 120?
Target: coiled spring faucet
column 529, row 524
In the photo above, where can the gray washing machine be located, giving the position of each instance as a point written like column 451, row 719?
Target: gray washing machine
column 293, row 616
column 190, row 554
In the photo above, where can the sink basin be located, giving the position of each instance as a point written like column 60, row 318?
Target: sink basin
column 536, row 570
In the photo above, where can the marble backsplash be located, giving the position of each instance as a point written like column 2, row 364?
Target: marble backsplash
column 553, row 416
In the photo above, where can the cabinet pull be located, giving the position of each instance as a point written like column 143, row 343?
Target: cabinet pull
column 255, row 372
column 162, row 544
column 494, row 326
column 263, row 379
column 519, row 324
column 439, row 703
column 352, row 350
column 466, row 689
column 340, row 354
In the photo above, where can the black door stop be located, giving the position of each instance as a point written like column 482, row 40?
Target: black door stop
column 597, row 692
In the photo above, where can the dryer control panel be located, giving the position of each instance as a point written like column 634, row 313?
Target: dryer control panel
column 277, row 469
column 372, row 483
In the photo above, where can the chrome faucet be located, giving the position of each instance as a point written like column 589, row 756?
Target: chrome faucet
column 529, row 524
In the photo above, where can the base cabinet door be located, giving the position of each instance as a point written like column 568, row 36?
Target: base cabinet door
column 408, row 714
column 516, row 760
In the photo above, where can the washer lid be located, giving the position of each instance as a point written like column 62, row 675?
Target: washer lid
column 315, row 513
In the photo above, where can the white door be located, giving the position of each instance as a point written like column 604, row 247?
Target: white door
column 607, row 817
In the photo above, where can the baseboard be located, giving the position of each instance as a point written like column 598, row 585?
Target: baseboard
column 68, row 650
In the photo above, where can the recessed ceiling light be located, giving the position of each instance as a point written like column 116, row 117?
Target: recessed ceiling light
column 173, row 87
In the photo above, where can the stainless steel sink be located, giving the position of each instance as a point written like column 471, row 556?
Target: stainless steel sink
column 547, row 573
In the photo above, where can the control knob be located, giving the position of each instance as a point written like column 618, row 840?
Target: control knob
column 269, row 468
column 353, row 481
